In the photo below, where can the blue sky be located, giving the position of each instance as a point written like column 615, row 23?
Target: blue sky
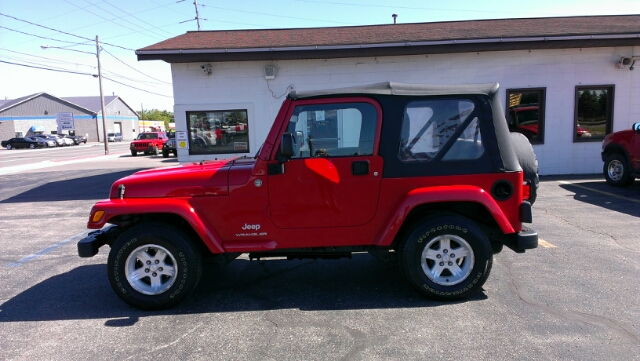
column 126, row 25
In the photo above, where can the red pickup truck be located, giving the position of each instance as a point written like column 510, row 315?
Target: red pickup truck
column 426, row 176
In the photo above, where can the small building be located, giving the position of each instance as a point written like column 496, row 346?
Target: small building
column 37, row 113
column 565, row 82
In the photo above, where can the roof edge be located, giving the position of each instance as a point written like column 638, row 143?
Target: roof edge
column 390, row 45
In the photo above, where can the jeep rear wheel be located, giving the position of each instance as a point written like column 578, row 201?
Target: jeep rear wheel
column 152, row 266
column 446, row 258
column 616, row 170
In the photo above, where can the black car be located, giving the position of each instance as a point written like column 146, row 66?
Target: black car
column 170, row 146
column 77, row 139
column 27, row 142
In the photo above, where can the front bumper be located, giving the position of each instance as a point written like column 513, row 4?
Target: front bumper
column 88, row 246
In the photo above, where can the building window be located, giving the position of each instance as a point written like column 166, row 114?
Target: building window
column 525, row 113
column 593, row 117
column 446, row 128
column 218, row 131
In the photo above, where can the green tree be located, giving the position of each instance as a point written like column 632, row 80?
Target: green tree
column 157, row 115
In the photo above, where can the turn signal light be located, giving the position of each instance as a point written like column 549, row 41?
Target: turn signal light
column 97, row 216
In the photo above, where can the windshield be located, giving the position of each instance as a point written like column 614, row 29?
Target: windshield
column 147, row 136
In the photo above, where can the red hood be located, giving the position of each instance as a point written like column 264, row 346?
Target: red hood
column 194, row 180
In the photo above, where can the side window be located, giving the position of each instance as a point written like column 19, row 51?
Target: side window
column 428, row 126
column 526, row 113
column 333, row 130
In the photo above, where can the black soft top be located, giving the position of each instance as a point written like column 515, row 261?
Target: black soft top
column 501, row 158
column 391, row 88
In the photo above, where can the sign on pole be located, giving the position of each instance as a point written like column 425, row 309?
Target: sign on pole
column 65, row 121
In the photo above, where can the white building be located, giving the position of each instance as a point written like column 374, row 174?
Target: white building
column 566, row 82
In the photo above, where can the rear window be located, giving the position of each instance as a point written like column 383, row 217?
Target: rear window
column 432, row 127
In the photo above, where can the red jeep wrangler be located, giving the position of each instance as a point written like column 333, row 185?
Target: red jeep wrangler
column 149, row 143
column 427, row 175
column 621, row 156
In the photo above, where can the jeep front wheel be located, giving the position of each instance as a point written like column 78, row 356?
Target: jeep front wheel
column 446, row 258
column 616, row 171
column 153, row 266
column 134, row 153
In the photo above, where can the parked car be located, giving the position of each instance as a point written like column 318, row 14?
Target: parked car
column 65, row 141
column 149, row 143
column 59, row 142
column 50, row 141
column 77, row 139
column 114, row 137
column 26, row 142
column 427, row 176
column 621, row 156
column 170, row 146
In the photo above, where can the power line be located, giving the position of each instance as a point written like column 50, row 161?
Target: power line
column 44, row 68
column 38, row 36
column 277, row 16
column 45, row 58
column 137, row 18
column 60, row 31
column 404, row 7
column 111, row 20
column 80, row 73
column 129, row 86
column 149, row 76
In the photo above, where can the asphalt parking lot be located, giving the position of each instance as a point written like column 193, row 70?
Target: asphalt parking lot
column 575, row 297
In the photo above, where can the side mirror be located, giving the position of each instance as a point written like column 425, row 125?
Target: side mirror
column 636, row 127
column 287, row 148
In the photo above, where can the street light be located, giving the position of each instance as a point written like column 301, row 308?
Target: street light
column 99, row 76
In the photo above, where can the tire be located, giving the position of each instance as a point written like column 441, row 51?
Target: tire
column 616, row 170
column 32, row 146
column 528, row 162
column 9, row 147
column 172, row 271
column 165, row 153
column 156, row 151
column 446, row 258
column 134, row 153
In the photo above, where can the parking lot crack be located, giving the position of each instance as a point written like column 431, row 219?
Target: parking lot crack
column 614, row 326
column 169, row 344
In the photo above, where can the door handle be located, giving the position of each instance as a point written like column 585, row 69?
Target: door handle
column 360, row 167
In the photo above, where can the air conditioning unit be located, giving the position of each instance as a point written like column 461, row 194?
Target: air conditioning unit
column 270, row 72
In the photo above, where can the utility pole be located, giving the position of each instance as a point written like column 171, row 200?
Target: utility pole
column 104, row 121
column 195, row 3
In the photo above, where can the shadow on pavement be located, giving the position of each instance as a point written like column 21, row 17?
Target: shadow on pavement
column 360, row 283
column 599, row 193
column 84, row 188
